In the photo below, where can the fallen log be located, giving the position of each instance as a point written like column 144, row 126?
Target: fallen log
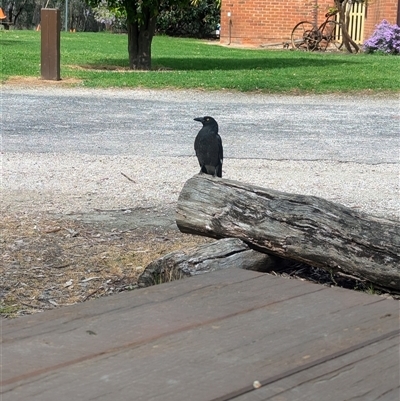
column 222, row 254
column 308, row 229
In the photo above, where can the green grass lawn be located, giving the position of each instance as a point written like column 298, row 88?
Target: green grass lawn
column 101, row 60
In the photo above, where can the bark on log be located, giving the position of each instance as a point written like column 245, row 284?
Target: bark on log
column 222, row 254
column 304, row 228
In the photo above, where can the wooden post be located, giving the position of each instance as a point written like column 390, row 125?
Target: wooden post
column 50, row 44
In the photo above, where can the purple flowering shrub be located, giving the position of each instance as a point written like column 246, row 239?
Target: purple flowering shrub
column 385, row 39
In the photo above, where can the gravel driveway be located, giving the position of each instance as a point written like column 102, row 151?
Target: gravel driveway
column 70, row 151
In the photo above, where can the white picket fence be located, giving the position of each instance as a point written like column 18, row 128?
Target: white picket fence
column 356, row 25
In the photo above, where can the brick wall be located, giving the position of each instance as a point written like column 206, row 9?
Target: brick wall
column 377, row 11
column 260, row 22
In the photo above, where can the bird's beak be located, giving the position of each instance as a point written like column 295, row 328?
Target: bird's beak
column 201, row 119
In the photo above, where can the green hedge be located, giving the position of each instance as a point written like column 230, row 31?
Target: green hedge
column 196, row 22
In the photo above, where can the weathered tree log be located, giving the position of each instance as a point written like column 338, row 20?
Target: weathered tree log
column 222, row 254
column 304, row 228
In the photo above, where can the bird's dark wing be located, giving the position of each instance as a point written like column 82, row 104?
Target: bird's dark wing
column 196, row 145
column 218, row 169
column 199, row 146
column 220, row 149
column 202, row 148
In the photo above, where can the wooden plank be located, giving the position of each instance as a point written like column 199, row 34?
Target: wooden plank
column 357, row 20
column 204, row 338
column 63, row 336
column 370, row 373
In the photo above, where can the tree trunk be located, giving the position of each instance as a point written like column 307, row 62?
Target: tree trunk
column 344, row 21
column 140, row 35
column 303, row 228
column 12, row 18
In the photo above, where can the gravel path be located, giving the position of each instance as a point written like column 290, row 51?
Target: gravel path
column 70, row 151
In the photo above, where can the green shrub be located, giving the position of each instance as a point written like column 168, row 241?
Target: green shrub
column 191, row 21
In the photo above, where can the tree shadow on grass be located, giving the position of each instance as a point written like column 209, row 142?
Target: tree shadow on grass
column 224, row 64
column 6, row 42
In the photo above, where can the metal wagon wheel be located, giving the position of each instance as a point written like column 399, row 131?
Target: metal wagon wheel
column 305, row 36
column 330, row 35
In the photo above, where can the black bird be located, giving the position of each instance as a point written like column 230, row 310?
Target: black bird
column 208, row 147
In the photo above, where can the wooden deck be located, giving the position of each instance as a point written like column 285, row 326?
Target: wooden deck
column 208, row 338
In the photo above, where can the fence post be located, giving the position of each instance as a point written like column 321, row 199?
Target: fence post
column 50, row 43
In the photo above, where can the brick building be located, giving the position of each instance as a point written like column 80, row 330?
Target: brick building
column 266, row 22
column 379, row 10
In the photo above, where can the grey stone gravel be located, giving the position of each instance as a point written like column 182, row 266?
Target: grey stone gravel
column 63, row 150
